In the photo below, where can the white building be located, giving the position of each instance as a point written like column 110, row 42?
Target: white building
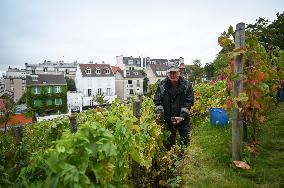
column 156, row 73
column 2, row 85
column 140, row 63
column 128, row 82
column 92, row 79
column 49, row 67
column 74, row 101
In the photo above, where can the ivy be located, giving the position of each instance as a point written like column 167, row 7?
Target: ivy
column 45, row 109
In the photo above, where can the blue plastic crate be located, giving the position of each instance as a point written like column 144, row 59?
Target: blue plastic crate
column 218, row 116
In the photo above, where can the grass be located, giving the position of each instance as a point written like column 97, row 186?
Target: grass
column 207, row 161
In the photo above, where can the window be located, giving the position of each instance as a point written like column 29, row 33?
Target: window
column 33, row 71
column 99, row 90
column 127, row 73
column 67, row 71
column 88, row 71
column 108, row 91
column 131, row 92
column 45, row 69
column 130, row 62
column 89, row 92
column 49, row 89
column 48, row 102
column 91, row 103
column 107, row 71
column 138, row 83
column 129, row 81
column 136, row 73
column 23, row 81
column 36, row 90
column 37, row 103
column 11, row 81
column 57, row 89
column 98, row 71
column 58, row 101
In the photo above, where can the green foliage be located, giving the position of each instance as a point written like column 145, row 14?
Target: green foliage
column 208, row 96
column 7, row 110
column 45, row 109
column 71, row 86
column 220, row 63
column 209, row 71
column 269, row 34
column 100, row 98
column 196, row 72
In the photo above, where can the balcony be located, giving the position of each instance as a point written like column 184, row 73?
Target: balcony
column 129, row 85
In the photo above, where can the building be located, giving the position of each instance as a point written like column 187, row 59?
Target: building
column 48, row 67
column 15, row 82
column 156, row 72
column 74, row 101
column 92, row 79
column 140, row 63
column 46, row 94
column 2, row 85
column 128, row 82
column 130, row 63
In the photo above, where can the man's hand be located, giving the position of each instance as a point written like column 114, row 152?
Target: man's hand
column 160, row 116
column 177, row 120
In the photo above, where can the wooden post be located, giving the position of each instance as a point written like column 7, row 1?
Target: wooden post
column 237, row 124
column 137, row 104
column 18, row 135
column 73, row 123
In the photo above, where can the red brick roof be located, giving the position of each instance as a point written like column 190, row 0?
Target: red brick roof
column 17, row 119
column 115, row 69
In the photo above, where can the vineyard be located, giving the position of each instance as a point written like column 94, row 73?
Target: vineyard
column 113, row 147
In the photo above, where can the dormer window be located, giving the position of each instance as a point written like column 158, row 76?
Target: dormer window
column 88, row 71
column 136, row 73
column 130, row 62
column 98, row 71
column 107, row 71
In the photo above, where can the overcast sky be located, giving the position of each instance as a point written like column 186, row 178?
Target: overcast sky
column 35, row 30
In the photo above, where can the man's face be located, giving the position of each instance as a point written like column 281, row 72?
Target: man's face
column 173, row 76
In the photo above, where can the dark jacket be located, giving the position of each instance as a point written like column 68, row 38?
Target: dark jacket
column 174, row 101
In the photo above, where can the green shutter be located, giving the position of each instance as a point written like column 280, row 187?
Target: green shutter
column 48, row 102
column 37, row 102
column 58, row 101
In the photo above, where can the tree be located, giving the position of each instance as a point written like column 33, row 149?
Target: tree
column 195, row 71
column 221, row 62
column 100, row 98
column 270, row 35
column 71, row 86
column 209, row 71
column 7, row 110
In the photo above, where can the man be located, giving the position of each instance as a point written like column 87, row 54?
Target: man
column 173, row 100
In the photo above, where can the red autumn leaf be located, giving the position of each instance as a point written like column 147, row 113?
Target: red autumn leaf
column 255, row 104
column 261, row 76
column 257, row 94
column 232, row 65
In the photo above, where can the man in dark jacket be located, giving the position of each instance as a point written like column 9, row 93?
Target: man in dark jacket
column 173, row 100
